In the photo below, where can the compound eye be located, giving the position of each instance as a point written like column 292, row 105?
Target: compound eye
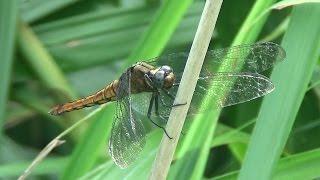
column 159, row 78
column 169, row 80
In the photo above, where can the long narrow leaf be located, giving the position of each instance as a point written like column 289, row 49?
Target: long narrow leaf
column 8, row 22
column 299, row 166
column 160, row 31
column 279, row 109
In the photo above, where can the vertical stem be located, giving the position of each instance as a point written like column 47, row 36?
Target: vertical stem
column 186, row 89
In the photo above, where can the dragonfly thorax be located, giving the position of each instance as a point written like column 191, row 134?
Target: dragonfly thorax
column 162, row 77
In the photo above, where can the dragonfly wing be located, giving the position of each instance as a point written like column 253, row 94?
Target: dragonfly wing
column 226, row 89
column 128, row 134
column 242, row 83
column 242, row 58
column 253, row 58
column 141, row 102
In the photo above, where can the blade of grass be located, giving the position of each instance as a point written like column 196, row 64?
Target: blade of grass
column 277, row 32
column 48, row 166
column 27, row 99
column 193, row 154
column 73, row 40
column 45, row 68
column 160, row 31
column 186, row 89
column 89, row 148
column 280, row 5
column 248, row 33
column 229, row 135
column 91, row 145
column 40, row 157
column 8, row 22
column 299, row 166
column 36, row 9
column 305, row 165
column 139, row 170
column 287, row 3
column 278, row 110
column 41, row 62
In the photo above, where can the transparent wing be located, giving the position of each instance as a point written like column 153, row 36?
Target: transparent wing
column 141, row 102
column 128, row 134
column 243, row 58
column 225, row 89
column 242, row 83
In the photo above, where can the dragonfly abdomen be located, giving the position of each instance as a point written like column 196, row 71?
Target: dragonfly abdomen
column 105, row 95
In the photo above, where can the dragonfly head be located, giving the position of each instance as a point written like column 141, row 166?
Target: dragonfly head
column 164, row 77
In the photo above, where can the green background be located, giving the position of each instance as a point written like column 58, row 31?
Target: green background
column 56, row 51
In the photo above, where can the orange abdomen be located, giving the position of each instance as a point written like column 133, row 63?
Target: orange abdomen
column 105, row 95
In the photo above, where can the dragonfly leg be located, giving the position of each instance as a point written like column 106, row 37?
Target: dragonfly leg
column 168, row 93
column 156, row 105
column 157, row 110
column 164, row 103
column 172, row 97
column 179, row 104
column 149, row 115
column 150, row 83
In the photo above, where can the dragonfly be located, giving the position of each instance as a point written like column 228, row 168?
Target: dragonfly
column 149, row 88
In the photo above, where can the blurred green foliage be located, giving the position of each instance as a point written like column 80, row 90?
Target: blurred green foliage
column 55, row 51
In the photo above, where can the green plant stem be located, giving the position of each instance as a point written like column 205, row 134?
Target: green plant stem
column 188, row 83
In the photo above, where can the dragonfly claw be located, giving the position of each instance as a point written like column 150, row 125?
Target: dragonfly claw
column 167, row 134
column 179, row 104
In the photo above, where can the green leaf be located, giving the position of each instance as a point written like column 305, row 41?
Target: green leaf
column 98, row 38
column 138, row 170
column 93, row 144
column 50, row 166
column 8, row 22
column 279, row 109
column 300, row 166
column 42, row 62
column 44, row 66
column 166, row 21
column 35, row 9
